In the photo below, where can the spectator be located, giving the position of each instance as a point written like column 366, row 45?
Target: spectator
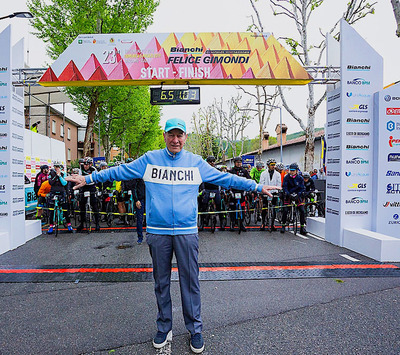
column 172, row 177
column 321, row 174
column 39, row 180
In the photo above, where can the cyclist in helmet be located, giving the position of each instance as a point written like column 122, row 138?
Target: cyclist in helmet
column 87, row 169
column 205, row 189
column 274, row 179
column 293, row 190
column 58, row 188
column 256, row 172
column 39, row 180
column 238, row 170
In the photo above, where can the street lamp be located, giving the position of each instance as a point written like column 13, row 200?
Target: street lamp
column 280, row 122
column 23, row 14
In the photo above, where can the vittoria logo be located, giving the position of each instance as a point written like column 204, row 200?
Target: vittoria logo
column 391, row 204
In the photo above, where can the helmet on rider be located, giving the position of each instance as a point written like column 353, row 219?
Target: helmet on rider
column 57, row 164
column 129, row 160
column 87, row 160
column 103, row 164
column 271, row 161
column 306, row 175
column 259, row 164
column 75, row 171
column 293, row 166
column 44, row 167
column 279, row 166
column 237, row 159
column 210, row 159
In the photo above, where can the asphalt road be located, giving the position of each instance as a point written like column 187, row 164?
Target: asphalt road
column 272, row 316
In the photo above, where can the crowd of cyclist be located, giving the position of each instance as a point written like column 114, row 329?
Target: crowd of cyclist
column 296, row 188
column 50, row 183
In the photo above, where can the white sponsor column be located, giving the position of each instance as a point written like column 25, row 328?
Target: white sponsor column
column 12, row 194
column 350, row 142
column 387, row 161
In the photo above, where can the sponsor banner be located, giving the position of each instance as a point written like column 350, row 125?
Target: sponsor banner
column 248, row 159
column 223, row 58
column 350, row 136
column 387, row 160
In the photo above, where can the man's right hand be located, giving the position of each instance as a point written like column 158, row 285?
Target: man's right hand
column 79, row 180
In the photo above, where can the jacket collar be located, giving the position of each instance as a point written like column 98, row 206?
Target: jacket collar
column 173, row 155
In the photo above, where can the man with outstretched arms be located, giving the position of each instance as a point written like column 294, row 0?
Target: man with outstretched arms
column 172, row 177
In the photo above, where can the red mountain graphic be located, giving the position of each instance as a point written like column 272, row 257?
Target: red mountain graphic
column 71, row 73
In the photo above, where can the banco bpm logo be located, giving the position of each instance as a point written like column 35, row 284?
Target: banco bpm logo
column 356, row 201
column 358, row 81
column 357, row 161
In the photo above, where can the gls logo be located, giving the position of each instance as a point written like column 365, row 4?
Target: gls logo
column 358, row 186
column 359, row 107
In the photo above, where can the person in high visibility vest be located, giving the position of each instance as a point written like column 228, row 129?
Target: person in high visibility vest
column 34, row 127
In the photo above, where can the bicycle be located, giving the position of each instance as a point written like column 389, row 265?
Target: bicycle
column 293, row 215
column 111, row 207
column 88, row 210
column 211, row 209
column 246, row 208
column 58, row 216
column 223, row 216
column 238, row 212
column 313, row 207
column 257, row 207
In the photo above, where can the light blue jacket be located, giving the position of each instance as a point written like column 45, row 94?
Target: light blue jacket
column 172, row 182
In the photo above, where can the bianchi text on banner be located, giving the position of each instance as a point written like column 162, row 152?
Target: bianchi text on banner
column 221, row 58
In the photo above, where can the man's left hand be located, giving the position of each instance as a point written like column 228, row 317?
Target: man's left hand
column 267, row 188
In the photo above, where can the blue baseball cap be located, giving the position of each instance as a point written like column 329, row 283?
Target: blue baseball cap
column 173, row 123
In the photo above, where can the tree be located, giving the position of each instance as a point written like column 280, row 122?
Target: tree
column 300, row 12
column 396, row 10
column 61, row 21
column 265, row 104
column 133, row 126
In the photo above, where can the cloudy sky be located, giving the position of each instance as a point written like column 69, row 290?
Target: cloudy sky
column 232, row 16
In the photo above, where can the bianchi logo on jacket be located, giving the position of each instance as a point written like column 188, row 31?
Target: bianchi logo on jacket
column 172, row 175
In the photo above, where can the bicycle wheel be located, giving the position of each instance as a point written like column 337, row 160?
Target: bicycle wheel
column 200, row 223
column 56, row 221
column 89, row 216
column 223, row 216
column 212, row 216
column 270, row 217
column 109, row 211
column 239, row 215
column 295, row 219
column 130, row 214
column 257, row 211
column 247, row 212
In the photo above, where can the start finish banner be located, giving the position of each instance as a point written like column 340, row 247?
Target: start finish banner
column 221, row 58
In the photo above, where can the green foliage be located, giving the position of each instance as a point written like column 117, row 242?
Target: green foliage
column 59, row 22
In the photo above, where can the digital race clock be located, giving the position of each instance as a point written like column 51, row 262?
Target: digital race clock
column 190, row 96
